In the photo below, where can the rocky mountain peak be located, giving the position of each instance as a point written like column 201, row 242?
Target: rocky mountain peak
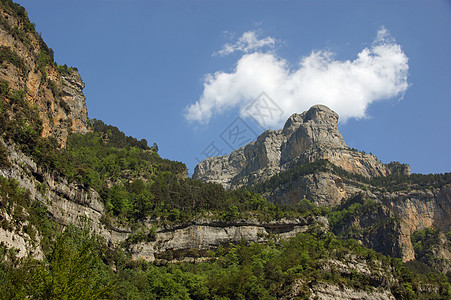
column 306, row 137
column 319, row 114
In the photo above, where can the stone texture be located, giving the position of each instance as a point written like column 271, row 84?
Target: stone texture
column 305, row 138
column 327, row 291
column 206, row 234
column 380, row 279
column 68, row 202
column 58, row 97
column 419, row 209
column 314, row 135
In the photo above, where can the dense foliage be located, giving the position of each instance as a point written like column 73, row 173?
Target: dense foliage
column 135, row 183
column 73, row 268
column 79, row 266
column 356, row 206
column 390, row 183
column 427, row 243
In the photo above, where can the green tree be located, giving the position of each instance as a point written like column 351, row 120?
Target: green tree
column 73, row 269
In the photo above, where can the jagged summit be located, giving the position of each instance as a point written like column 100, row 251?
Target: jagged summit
column 306, row 137
column 318, row 114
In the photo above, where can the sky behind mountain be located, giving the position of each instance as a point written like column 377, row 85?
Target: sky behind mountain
column 191, row 75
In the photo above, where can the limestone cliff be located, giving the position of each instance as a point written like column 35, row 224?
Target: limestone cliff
column 313, row 136
column 27, row 65
column 305, row 138
column 55, row 92
column 68, row 202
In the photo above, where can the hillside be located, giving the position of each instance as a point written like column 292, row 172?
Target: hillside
column 309, row 159
column 87, row 212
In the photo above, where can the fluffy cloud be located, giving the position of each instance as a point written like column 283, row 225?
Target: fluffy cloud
column 248, row 42
column 378, row 72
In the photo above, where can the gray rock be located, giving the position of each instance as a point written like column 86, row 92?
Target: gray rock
column 305, row 138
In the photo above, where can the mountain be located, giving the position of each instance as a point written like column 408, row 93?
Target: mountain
column 29, row 72
column 305, row 138
column 309, row 159
column 87, row 212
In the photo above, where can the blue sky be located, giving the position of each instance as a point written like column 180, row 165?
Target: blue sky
column 385, row 66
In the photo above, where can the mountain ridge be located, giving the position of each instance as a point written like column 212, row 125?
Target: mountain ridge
column 305, row 138
column 88, row 212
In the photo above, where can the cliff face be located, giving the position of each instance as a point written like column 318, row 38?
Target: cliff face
column 312, row 136
column 305, row 138
column 55, row 92
column 27, row 65
column 68, row 203
column 388, row 228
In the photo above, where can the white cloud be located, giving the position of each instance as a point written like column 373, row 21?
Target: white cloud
column 248, row 42
column 378, row 72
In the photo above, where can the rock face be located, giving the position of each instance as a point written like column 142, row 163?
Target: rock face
column 68, row 202
column 56, row 92
column 305, row 138
column 417, row 210
column 387, row 228
column 206, row 234
column 311, row 136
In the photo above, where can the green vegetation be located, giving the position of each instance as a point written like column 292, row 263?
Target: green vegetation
column 20, row 124
column 349, row 209
column 79, row 266
column 142, row 184
column 423, row 241
column 8, row 55
column 73, row 268
column 426, row 243
column 65, row 70
column 390, row 183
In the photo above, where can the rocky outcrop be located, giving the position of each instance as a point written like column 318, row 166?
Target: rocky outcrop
column 19, row 240
column 388, row 227
column 66, row 202
column 206, row 234
column 416, row 210
column 314, row 135
column 69, row 202
column 321, row 188
column 305, row 138
column 27, row 65
column 380, row 281
column 327, row 291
